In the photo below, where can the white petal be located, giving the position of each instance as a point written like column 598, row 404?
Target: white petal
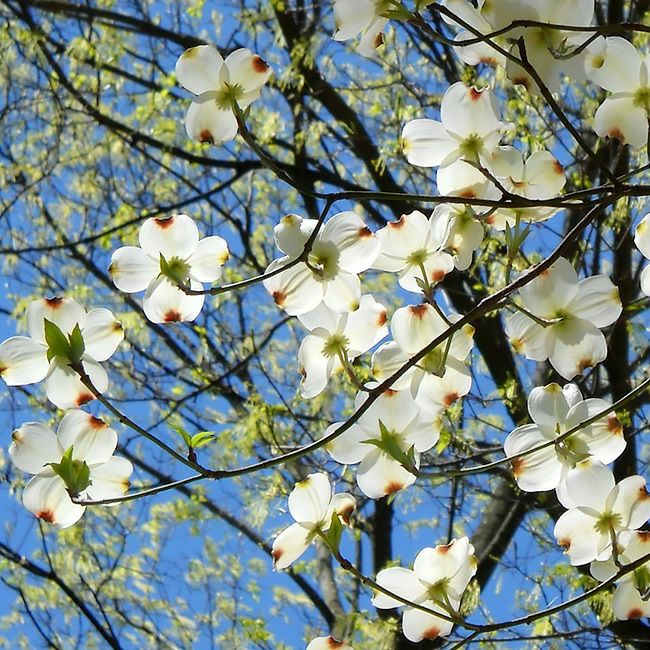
column 23, row 361
column 401, row 238
column 206, row 122
column 547, row 406
column 442, row 562
column 357, row 246
column 617, row 117
column 642, row 236
column 536, row 472
column 597, row 301
column 309, row 499
column 164, row 302
column 247, row 70
column 48, row 499
column 379, row 475
column 436, row 267
column 575, row 345
column 102, row 333
column 295, row 290
column 544, row 176
column 426, row 143
column 462, row 179
column 174, row 236
column 352, row 17
column 441, row 392
column 132, row 269
column 415, row 326
column 93, row 440
column 418, row 625
column 197, row 69
column 527, row 337
column 63, row 312
column 206, row 261
column 322, row 317
column 467, row 111
column 628, row 604
column 588, row 484
column 64, row 388
column 604, row 438
column 110, row 479
column 645, row 281
column 399, row 581
column 317, row 367
column 289, row 545
column 387, row 360
column 292, row 233
column 620, row 65
column 33, row 447
column 632, row 501
column 551, row 290
column 349, row 448
column 343, row 293
column 575, row 531
column 366, row 326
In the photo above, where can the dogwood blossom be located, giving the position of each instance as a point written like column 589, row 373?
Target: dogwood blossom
column 539, row 177
column 327, row 643
column 387, row 440
column 617, row 66
column 219, row 84
column 564, row 319
column 631, row 596
column 642, row 241
column 439, row 577
column 412, row 247
column 540, row 43
column 59, row 329
column 599, row 509
column 312, row 505
column 463, row 232
column 343, row 247
column 469, row 129
column 363, row 17
column 555, row 410
column 170, row 253
column 442, row 376
column 335, row 339
column 81, row 440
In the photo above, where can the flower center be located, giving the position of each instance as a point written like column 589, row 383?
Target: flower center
column 642, row 99
column 471, row 146
column 323, row 260
column 227, row 95
column 335, row 345
column 607, row 522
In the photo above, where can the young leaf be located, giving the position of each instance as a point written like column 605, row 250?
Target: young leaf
column 57, row 342
column 75, row 473
column 202, row 438
column 77, row 345
column 187, row 439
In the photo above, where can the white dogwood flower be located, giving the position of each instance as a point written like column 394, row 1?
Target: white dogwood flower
column 461, row 230
column 442, row 376
column 616, row 65
column 469, row 129
column 387, row 441
column 439, row 577
column 599, row 509
column 170, row 254
column 363, row 17
column 631, row 598
column 564, row 319
column 555, row 410
column 335, row 339
column 312, row 506
column 219, row 83
column 412, row 247
column 327, row 643
column 642, row 241
column 60, row 333
column 82, row 452
column 343, row 248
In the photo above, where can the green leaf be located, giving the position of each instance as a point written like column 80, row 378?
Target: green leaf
column 77, row 345
column 183, row 434
column 390, row 446
column 334, row 532
column 57, row 342
column 75, row 473
column 202, row 438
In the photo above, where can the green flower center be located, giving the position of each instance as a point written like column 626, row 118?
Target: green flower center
column 607, row 522
column 335, row 345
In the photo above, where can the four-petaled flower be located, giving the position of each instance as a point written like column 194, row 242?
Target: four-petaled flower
column 80, row 439
column 439, row 577
column 30, row 359
column 599, row 509
column 563, row 318
column 219, row 85
column 170, row 254
column 312, row 505
column 554, row 411
column 363, row 17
